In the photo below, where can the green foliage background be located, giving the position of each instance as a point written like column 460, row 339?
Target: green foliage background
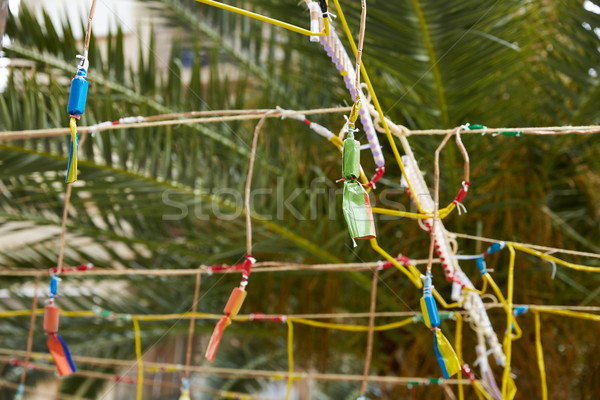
column 434, row 65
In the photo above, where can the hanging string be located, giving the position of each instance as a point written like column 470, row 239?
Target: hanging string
column 88, row 33
column 361, row 39
column 436, row 241
column 238, row 295
column 249, row 181
column 78, row 97
column 436, row 201
column 76, row 106
column 63, row 230
column 363, row 386
column 185, row 381
column 31, row 330
column 188, row 354
column 56, row 345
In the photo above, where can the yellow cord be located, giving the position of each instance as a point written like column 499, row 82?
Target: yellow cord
column 500, row 296
column 398, row 213
column 140, row 317
column 482, row 394
column 337, row 142
column 138, row 355
column 326, row 19
column 550, row 258
column 444, row 212
column 540, row 356
column 415, row 278
column 165, row 317
column 19, row 313
column 290, row 349
column 442, row 302
column 268, row 20
column 566, row 313
column 326, row 23
column 479, row 292
column 458, row 348
column 67, row 313
column 509, row 322
column 351, row 328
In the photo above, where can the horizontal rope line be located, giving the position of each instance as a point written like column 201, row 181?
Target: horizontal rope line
column 233, row 372
column 145, row 123
column 237, row 115
column 537, row 131
column 266, row 266
column 123, row 379
column 267, row 317
column 32, row 390
column 533, row 246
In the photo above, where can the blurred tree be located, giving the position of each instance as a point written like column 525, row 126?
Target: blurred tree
column 162, row 197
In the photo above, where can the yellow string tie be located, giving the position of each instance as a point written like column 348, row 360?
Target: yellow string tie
column 354, row 112
column 72, row 167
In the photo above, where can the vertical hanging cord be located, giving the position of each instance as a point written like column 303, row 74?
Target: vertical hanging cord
column 436, row 199
column 249, row 182
column 73, row 122
column 363, row 386
column 463, row 150
column 31, row 328
column 188, row 354
column 89, row 28
column 63, row 232
column 361, row 39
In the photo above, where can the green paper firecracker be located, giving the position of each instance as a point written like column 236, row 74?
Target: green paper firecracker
column 356, row 204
